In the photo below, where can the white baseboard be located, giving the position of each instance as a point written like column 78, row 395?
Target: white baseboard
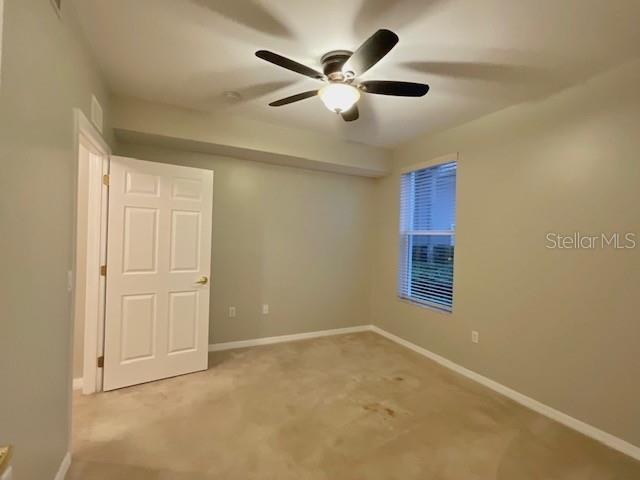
column 64, row 467
column 573, row 423
column 216, row 347
column 78, row 383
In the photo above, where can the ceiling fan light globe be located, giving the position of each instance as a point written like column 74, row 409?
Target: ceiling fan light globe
column 339, row 97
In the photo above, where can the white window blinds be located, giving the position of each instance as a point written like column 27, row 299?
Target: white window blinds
column 427, row 235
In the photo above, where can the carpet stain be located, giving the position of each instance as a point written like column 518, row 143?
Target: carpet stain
column 379, row 408
column 347, row 407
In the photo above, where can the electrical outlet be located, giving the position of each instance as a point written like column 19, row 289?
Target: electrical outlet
column 475, row 336
column 265, row 309
column 232, row 312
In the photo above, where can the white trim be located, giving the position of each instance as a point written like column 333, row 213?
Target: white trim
column 94, row 283
column 573, row 423
column 82, row 124
column 95, row 203
column 216, row 347
column 589, row 430
column 448, row 158
column 64, row 467
column 77, row 383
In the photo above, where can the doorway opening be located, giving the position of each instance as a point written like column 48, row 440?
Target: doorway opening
column 93, row 157
column 142, row 267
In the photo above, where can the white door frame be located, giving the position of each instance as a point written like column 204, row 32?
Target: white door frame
column 95, row 200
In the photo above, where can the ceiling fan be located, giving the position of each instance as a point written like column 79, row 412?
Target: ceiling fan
column 340, row 71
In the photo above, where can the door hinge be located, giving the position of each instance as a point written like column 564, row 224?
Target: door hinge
column 105, row 180
column 101, row 361
column 103, row 270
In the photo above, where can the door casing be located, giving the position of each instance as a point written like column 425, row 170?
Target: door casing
column 88, row 285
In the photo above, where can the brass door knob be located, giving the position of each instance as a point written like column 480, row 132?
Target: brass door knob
column 203, row 280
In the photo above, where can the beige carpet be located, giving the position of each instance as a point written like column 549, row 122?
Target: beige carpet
column 350, row 407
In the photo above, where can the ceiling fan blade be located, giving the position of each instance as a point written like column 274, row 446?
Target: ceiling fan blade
column 398, row 89
column 352, row 114
column 294, row 98
column 371, row 52
column 284, row 62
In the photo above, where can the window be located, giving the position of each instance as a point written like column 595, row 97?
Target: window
column 427, row 235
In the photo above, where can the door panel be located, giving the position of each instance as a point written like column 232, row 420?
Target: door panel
column 159, row 247
column 183, row 315
column 187, row 189
column 142, row 184
column 185, row 240
column 138, row 327
column 140, row 240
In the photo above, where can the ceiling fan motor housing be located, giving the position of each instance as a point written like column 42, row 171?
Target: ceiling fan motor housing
column 332, row 63
column 339, row 70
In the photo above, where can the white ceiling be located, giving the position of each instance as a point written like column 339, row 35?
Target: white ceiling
column 477, row 55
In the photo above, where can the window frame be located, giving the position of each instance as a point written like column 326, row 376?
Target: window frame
column 409, row 234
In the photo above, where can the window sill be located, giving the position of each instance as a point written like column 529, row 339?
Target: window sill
column 427, row 305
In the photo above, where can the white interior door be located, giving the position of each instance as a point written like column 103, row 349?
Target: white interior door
column 158, row 262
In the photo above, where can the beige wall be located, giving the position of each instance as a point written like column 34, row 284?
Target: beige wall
column 554, row 324
column 241, row 137
column 292, row 238
column 46, row 72
column 561, row 326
